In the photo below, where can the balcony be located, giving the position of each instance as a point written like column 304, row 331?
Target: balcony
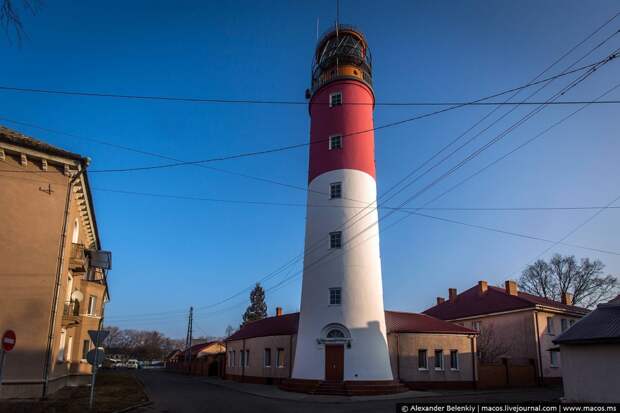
column 71, row 313
column 78, row 260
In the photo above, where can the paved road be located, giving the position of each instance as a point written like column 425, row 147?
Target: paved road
column 177, row 393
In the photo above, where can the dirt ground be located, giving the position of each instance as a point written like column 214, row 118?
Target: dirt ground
column 114, row 390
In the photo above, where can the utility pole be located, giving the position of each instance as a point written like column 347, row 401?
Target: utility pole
column 188, row 339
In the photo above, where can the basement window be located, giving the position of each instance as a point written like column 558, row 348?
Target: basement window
column 335, row 190
column 335, row 142
column 422, row 359
column 335, row 239
column 335, row 99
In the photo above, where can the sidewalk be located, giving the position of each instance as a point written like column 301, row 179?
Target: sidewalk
column 274, row 392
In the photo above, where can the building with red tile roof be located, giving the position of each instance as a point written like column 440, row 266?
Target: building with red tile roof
column 512, row 324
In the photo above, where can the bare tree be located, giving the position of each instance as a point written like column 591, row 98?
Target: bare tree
column 562, row 274
column 490, row 345
column 10, row 16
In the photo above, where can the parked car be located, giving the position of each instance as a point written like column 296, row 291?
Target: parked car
column 132, row 364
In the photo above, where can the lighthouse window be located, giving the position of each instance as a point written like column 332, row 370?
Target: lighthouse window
column 335, row 239
column 335, row 99
column 335, row 298
column 335, row 142
column 335, row 190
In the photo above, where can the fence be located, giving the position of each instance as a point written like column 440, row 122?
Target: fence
column 507, row 373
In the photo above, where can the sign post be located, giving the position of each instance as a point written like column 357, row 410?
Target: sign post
column 94, row 357
column 8, row 343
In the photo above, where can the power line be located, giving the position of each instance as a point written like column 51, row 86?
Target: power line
column 275, row 101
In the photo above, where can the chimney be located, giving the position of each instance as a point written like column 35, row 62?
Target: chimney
column 567, row 298
column 452, row 294
column 278, row 311
column 511, row 287
column 440, row 300
column 483, row 286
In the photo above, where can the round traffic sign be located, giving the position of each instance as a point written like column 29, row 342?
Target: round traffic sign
column 8, row 340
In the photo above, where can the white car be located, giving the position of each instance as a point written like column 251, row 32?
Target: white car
column 132, row 364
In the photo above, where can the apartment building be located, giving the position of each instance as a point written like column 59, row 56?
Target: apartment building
column 53, row 285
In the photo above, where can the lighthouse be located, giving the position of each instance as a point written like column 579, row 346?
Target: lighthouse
column 342, row 333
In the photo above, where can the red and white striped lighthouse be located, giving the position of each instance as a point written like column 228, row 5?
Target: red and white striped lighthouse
column 342, row 333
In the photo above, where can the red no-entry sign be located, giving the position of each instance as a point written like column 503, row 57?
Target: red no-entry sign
column 8, row 340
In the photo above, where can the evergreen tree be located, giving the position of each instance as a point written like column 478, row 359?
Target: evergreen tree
column 257, row 310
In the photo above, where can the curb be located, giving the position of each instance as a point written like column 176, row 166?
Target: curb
column 138, row 405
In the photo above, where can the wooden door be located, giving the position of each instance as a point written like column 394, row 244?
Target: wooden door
column 334, row 363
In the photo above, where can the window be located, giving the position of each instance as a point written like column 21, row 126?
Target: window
column 335, row 333
column 454, row 359
column 335, row 99
column 335, row 190
column 335, row 297
column 438, row 359
column 92, row 303
column 85, row 349
column 549, row 325
column 475, row 325
column 247, row 358
column 61, row 345
column 267, row 357
column 75, row 236
column 335, row 142
column 422, row 360
column 233, row 355
column 280, row 358
column 554, row 358
column 242, row 358
column 570, row 323
column 335, row 239
column 564, row 323
column 69, row 349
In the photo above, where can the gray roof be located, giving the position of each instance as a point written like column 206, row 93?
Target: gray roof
column 600, row 326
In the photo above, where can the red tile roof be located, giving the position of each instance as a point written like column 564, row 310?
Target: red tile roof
column 495, row 300
column 396, row 322
column 16, row 138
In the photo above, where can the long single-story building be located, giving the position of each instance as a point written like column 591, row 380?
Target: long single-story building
column 425, row 352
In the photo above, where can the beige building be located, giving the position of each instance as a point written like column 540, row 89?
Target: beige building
column 425, row 352
column 53, row 285
column 513, row 325
column 591, row 356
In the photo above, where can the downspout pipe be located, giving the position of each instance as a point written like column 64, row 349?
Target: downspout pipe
column 473, row 362
column 540, row 368
column 59, row 266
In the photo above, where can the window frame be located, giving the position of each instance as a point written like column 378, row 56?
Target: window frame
column 335, row 240
column 247, row 358
column 550, row 326
column 267, row 357
column 337, row 292
column 440, row 359
column 85, row 349
column 332, row 139
column 476, row 325
column 280, row 362
column 454, row 360
column 554, row 359
column 335, row 190
column 92, row 305
column 564, row 324
column 331, row 99
column 424, row 366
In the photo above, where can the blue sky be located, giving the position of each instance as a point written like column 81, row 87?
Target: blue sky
column 170, row 254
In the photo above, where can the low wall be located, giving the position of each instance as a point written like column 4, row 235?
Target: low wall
column 507, row 374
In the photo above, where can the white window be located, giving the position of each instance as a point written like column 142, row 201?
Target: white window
column 75, row 237
column 335, row 239
column 564, row 323
column 335, row 142
column 438, row 359
column 549, row 325
column 232, row 358
column 554, row 358
column 92, row 304
column 61, row 345
column 475, row 325
column 454, row 359
column 267, row 357
column 335, row 190
column 69, row 288
column 69, row 349
column 280, row 358
column 335, row 296
column 422, row 359
column 335, row 99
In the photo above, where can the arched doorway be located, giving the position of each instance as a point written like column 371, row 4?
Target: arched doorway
column 335, row 337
